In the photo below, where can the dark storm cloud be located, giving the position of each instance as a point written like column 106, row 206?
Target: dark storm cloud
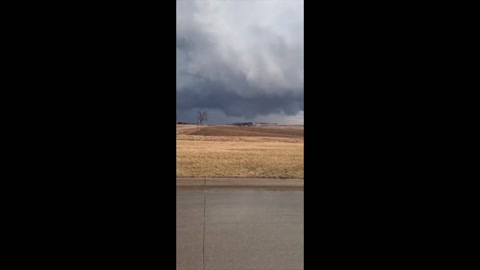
column 244, row 58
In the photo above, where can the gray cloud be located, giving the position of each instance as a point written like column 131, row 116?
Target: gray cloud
column 241, row 59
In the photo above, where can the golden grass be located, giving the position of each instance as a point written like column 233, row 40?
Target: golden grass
column 221, row 156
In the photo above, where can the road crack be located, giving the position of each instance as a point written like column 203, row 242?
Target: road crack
column 204, row 210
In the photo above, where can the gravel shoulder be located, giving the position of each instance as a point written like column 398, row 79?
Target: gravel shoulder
column 239, row 182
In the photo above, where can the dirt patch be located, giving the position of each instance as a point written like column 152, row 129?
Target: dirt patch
column 250, row 132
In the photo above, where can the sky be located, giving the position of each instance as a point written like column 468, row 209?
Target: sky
column 240, row 60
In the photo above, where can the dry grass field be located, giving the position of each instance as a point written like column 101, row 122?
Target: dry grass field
column 221, row 151
column 250, row 131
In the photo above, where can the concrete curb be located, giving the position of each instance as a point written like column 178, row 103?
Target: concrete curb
column 239, row 182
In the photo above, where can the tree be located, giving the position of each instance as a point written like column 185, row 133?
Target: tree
column 201, row 117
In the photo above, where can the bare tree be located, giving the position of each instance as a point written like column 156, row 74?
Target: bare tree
column 202, row 117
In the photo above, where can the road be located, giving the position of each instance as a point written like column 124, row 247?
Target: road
column 239, row 228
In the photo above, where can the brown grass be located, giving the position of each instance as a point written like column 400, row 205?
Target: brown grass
column 239, row 156
column 250, row 131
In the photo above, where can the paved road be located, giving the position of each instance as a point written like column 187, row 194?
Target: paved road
column 239, row 228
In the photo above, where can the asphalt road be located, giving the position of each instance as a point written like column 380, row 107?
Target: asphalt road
column 239, row 228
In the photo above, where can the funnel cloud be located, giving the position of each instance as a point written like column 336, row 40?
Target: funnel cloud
column 240, row 60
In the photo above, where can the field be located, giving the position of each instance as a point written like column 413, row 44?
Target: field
column 250, row 132
column 226, row 151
